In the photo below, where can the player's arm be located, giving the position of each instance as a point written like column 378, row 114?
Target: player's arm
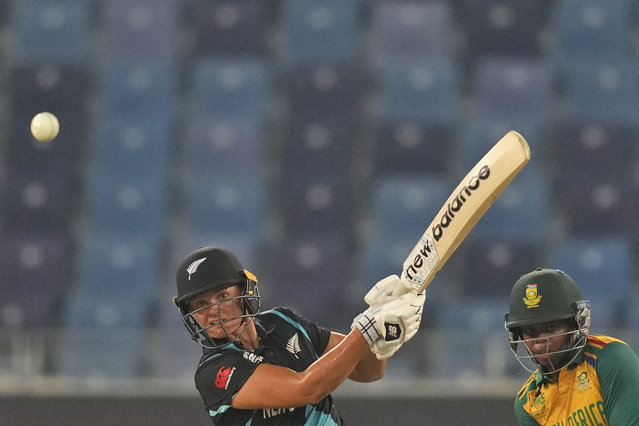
column 272, row 386
column 618, row 371
column 368, row 369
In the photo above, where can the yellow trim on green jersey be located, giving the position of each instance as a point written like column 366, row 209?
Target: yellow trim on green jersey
column 586, row 391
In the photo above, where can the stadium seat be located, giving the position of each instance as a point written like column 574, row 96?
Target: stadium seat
column 422, row 90
column 172, row 353
column 404, row 205
column 402, row 30
column 223, row 144
column 603, row 268
column 38, row 199
column 87, row 352
column 590, row 29
column 522, row 212
column 501, row 27
column 140, row 29
column 218, row 204
column 316, row 202
column 597, row 89
column 132, row 146
column 324, row 87
column 54, row 31
column 598, row 205
column 129, row 88
column 316, row 30
column 310, row 277
column 508, row 86
column 414, row 146
column 123, row 203
column 231, row 26
column 597, row 148
column 487, row 267
column 35, row 269
column 230, row 85
column 318, row 144
column 115, row 280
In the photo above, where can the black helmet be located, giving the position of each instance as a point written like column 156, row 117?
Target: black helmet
column 543, row 296
column 212, row 268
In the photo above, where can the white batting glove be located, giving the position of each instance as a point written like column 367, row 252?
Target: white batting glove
column 410, row 315
column 381, row 322
column 386, row 289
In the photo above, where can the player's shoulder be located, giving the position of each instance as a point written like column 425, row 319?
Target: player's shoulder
column 281, row 313
column 529, row 384
column 599, row 343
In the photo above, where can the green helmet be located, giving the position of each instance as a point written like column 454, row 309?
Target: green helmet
column 545, row 296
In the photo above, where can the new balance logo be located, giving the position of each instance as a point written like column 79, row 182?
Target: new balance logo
column 293, row 345
column 192, row 268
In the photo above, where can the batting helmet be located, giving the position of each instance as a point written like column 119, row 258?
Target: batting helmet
column 207, row 269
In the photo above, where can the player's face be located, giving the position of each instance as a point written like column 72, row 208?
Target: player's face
column 220, row 311
column 547, row 341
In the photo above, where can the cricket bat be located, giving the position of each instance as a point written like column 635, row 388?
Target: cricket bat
column 464, row 207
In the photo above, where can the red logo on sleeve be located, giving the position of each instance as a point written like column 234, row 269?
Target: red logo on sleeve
column 223, row 376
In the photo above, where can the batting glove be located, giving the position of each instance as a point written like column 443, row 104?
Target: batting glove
column 410, row 316
column 382, row 322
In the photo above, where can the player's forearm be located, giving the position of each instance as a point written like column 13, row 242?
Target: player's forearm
column 369, row 369
column 329, row 371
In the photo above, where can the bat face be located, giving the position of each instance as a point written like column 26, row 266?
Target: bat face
column 465, row 206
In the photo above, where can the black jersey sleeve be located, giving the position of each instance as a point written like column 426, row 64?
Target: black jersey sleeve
column 318, row 335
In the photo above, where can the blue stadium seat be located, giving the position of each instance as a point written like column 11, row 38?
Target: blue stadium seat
column 122, row 203
column 596, row 148
column 218, row 204
column 87, row 352
column 132, row 146
column 315, row 202
column 318, row 144
column 479, row 134
column 501, row 27
column 35, row 270
column 316, row 30
column 231, row 26
column 522, row 212
column 172, row 353
column 140, row 29
column 405, row 205
column 223, row 144
column 55, row 31
column 324, row 87
column 598, row 205
column 509, row 86
column 115, row 280
column 422, row 90
column 402, row 30
column 487, row 267
column 590, row 29
column 601, row 90
column 230, row 85
column 603, row 268
column 310, row 277
column 135, row 88
column 46, row 86
column 414, row 146
column 38, row 199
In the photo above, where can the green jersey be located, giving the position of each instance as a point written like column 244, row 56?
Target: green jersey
column 600, row 388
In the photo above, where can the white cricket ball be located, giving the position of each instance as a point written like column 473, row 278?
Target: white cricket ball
column 45, row 126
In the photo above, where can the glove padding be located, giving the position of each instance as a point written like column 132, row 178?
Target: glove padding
column 382, row 322
column 410, row 317
column 407, row 317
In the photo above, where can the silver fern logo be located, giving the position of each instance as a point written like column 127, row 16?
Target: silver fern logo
column 293, row 345
column 192, row 268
